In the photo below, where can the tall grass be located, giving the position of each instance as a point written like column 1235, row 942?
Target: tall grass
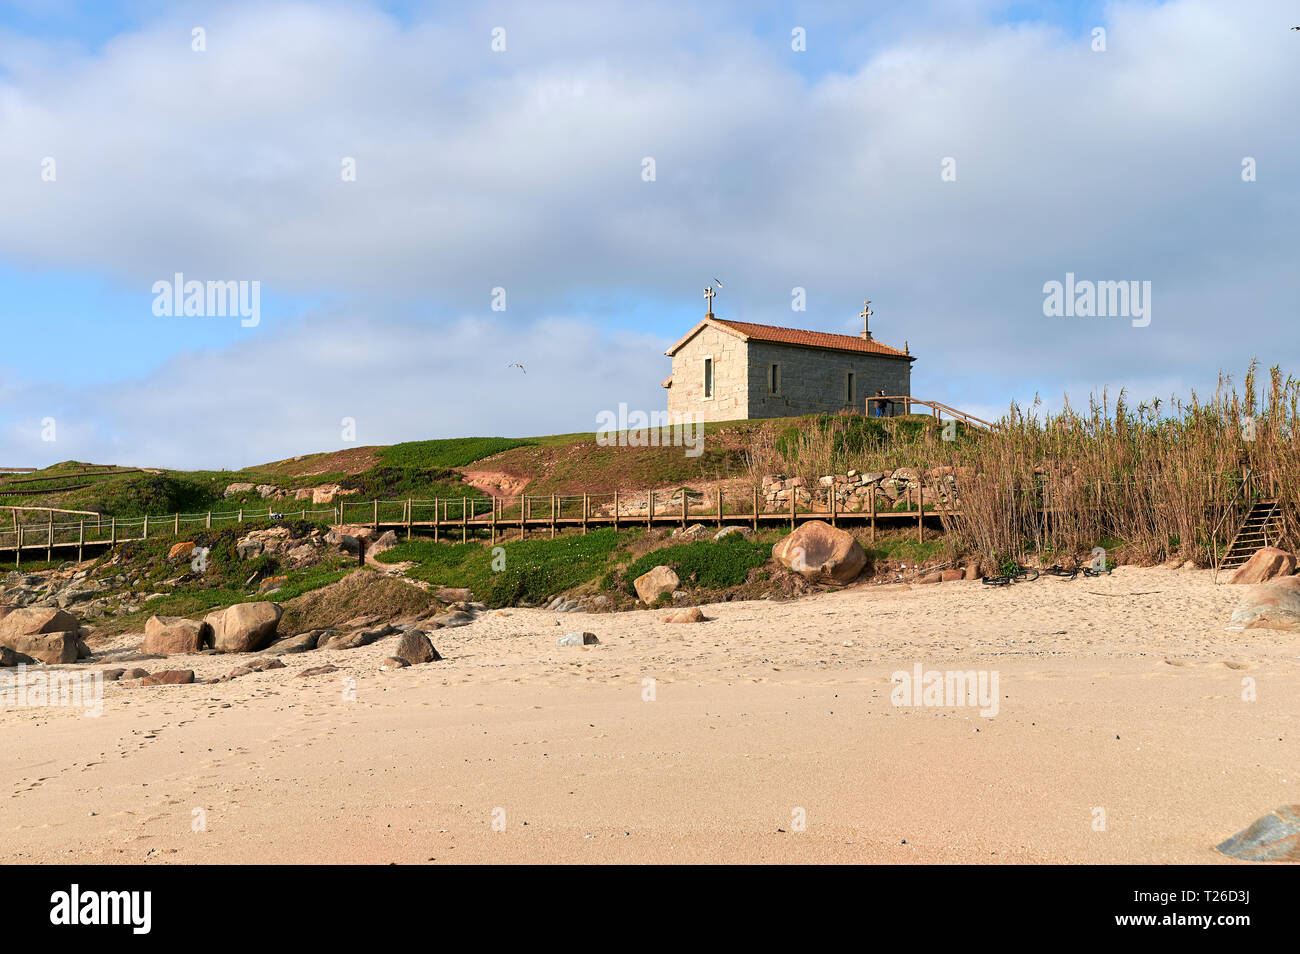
column 1148, row 483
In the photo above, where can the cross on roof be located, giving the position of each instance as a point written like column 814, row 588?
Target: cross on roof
column 708, row 296
column 864, row 314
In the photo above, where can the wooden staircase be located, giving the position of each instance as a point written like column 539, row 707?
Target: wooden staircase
column 1263, row 524
column 937, row 410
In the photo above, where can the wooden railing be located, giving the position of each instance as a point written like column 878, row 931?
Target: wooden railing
column 937, row 409
column 65, row 530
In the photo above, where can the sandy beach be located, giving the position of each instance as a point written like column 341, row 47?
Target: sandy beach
column 1122, row 694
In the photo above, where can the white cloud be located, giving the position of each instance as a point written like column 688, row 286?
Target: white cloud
column 288, row 393
column 523, row 170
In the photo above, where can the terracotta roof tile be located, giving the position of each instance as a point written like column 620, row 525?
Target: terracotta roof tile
column 811, row 339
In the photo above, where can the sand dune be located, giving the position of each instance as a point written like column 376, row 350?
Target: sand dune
column 1123, row 694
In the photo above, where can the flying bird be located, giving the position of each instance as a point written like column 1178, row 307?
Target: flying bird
column 719, row 284
column 516, row 364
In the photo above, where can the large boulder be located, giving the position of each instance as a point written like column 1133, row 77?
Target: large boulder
column 414, row 648
column 691, row 614
column 244, row 627
column 1264, row 565
column 173, row 635
column 650, row 585
column 325, row 493
column 821, row 553
column 302, row 643
column 385, row 541
column 48, row 647
column 35, row 619
column 10, row 658
column 42, row 632
column 181, row 551
column 169, row 677
column 356, row 638
column 1273, row 605
column 1274, row 837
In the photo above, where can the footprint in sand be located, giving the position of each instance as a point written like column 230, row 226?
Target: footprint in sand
column 1211, row 664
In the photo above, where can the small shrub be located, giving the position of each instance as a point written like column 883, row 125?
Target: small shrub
column 705, row 563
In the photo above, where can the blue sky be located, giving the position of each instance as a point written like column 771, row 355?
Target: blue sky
column 522, row 169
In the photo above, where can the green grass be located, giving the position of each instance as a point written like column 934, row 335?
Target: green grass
column 905, row 549
column 704, row 563
column 396, row 483
column 223, row 582
column 197, row 601
column 451, row 452
column 531, row 570
column 30, row 566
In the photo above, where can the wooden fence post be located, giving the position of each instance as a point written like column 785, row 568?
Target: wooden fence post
column 872, row 495
column 408, row 518
column 683, row 508
column 81, row 539
column 794, row 495
column 437, row 507
column 49, row 543
column 376, row 521
column 584, row 512
column 554, row 502
column 616, row 510
column 756, row 508
column 719, row 490
column 146, row 523
column 650, row 510
column 920, row 511
column 208, row 523
column 523, row 514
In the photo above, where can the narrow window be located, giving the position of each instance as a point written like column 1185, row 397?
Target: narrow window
column 708, row 377
column 773, row 379
column 848, row 389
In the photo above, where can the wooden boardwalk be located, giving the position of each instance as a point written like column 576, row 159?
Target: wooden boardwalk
column 50, row 532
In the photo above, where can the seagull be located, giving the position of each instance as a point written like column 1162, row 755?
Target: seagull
column 516, row 364
column 719, row 284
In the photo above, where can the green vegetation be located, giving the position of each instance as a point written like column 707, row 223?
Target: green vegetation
column 226, row 578
column 852, row 437
column 904, row 548
column 537, row 570
column 396, row 483
column 452, row 452
column 196, row 600
column 520, row 570
column 705, row 563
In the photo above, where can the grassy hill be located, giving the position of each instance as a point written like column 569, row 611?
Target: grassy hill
column 558, row 463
